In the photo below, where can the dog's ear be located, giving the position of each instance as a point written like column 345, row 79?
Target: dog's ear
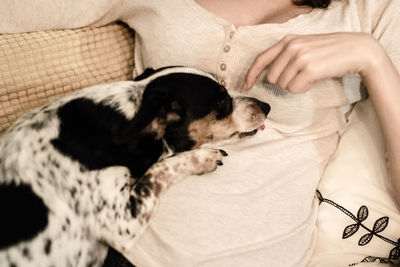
column 146, row 73
column 157, row 110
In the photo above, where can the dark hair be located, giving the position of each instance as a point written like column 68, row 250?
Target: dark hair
column 313, row 3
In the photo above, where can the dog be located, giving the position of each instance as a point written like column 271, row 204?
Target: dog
column 86, row 171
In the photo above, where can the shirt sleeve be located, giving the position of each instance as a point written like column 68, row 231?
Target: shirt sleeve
column 387, row 29
column 33, row 15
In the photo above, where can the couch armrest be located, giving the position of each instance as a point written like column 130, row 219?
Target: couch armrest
column 38, row 66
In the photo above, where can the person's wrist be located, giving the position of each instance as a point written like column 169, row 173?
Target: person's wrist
column 375, row 60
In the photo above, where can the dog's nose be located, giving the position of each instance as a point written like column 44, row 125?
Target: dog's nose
column 265, row 107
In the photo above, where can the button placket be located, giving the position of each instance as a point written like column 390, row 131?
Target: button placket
column 223, row 82
column 227, row 48
column 223, row 64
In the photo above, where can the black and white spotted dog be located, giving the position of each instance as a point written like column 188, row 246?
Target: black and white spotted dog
column 87, row 170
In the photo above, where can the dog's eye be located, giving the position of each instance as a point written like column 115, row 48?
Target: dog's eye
column 224, row 107
column 221, row 103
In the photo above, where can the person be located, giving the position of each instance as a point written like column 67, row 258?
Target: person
column 307, row 59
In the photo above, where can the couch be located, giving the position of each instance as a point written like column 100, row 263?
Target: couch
column 359, row 220
column 36, row 67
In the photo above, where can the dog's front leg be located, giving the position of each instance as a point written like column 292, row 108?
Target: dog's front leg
column 132, row 218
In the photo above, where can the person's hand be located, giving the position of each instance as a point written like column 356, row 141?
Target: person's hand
column 298, row 61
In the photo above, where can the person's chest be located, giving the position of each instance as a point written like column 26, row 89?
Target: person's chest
column 253, row 12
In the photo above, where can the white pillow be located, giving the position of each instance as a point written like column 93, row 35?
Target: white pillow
column 357, row 198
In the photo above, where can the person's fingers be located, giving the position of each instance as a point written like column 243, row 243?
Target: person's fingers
column 265, row 59
column 298, row 62
column 302, row 82
column 278, row 66
column 287, row 57
column 286, row 76
column 260, row 63
column 258, row 66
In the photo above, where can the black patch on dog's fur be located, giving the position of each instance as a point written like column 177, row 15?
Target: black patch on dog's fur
column 88, row 133
column 47, row 247
column 132, row 204
column 23, row 214
column 37, row 125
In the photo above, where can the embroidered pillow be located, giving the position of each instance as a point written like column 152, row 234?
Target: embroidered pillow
column 359, row 220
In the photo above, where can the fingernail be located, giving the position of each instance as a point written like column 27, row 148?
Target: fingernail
column 246, row 86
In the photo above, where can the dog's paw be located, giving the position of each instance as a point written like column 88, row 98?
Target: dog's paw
column 193, row 162
column 204, row 160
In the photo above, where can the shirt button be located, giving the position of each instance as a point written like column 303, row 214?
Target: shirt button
column 223, row 82
column 227, row 48
column 222, row 66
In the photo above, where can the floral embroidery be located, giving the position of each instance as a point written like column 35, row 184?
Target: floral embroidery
column 379, row 226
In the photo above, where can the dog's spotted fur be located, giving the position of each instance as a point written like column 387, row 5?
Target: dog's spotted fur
column 87, row 170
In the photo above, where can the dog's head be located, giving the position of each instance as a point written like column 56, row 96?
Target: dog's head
column 187, row 108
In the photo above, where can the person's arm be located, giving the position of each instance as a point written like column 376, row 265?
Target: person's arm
column 383, row 83
column 33, row 15
column 298, row 61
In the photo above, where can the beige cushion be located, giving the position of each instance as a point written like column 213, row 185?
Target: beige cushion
column 356, row 184
column 37, row 66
